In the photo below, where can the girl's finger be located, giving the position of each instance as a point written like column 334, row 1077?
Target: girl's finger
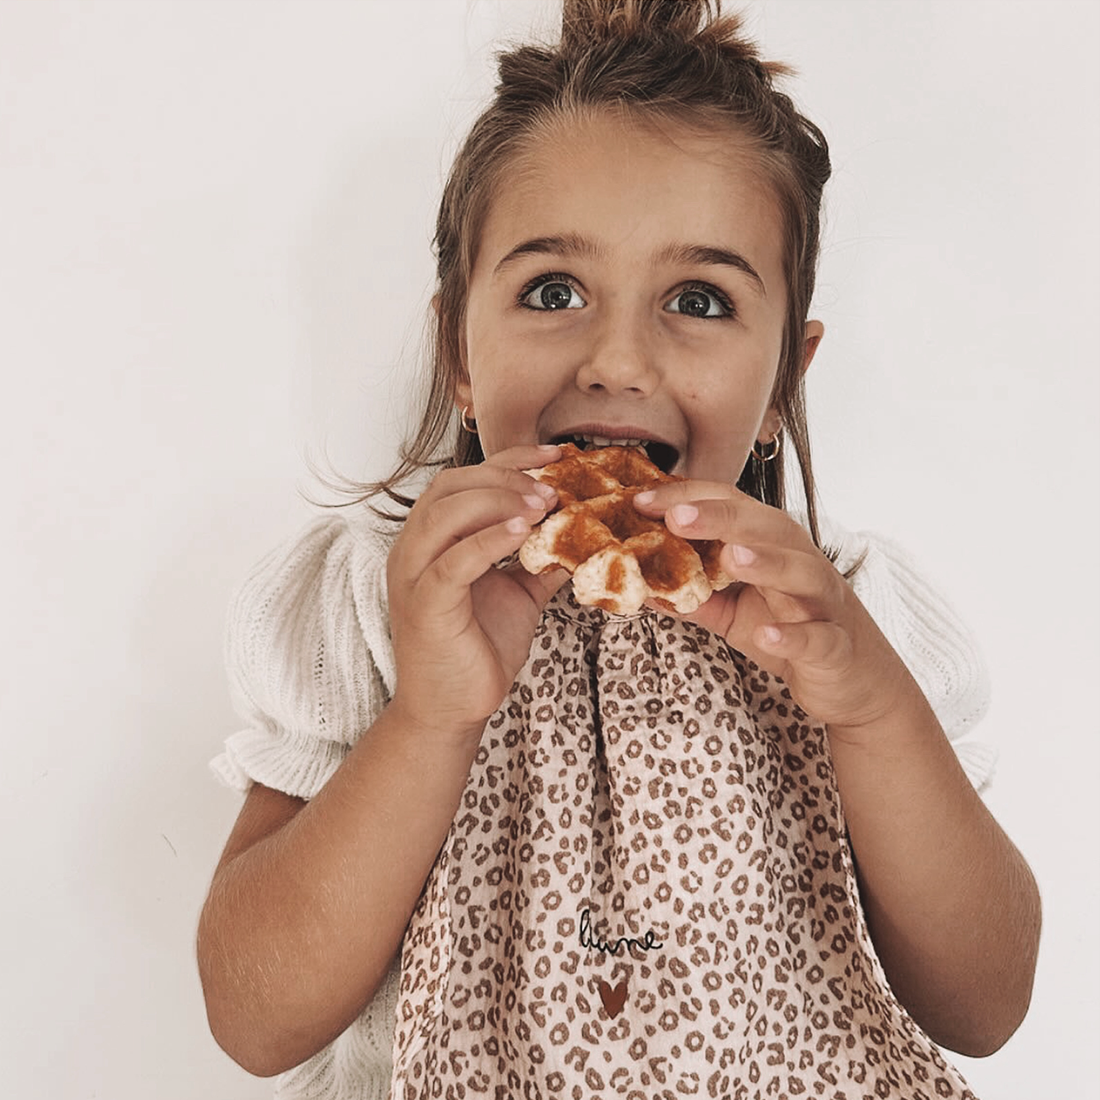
column 525, row 456
column 454, row 517
column 820, row 645
column 445, row 583
column 805, row 575
column 670, row 493
column 731, row 516
column 448, row 520
column 486, row 475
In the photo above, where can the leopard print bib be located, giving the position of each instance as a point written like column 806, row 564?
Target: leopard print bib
column 647, row 892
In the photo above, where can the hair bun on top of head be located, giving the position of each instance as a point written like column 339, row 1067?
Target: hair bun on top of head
column 676, row 53
column 584, row 20
column 698, row 23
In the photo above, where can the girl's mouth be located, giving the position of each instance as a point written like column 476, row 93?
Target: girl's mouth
column 663, row 455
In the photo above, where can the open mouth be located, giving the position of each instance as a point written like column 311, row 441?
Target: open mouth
column 662, row 455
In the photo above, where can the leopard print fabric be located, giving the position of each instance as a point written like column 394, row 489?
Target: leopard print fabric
column 647, row 892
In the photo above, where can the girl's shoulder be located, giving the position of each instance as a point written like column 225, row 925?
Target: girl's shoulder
column 343, row 536
column 335, row 556
column 308, row 654
column 326, row 583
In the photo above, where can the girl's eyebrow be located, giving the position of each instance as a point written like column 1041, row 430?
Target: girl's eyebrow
column 572, row 244
column 690, row 254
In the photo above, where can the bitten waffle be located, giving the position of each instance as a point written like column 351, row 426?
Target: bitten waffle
column 618, row 557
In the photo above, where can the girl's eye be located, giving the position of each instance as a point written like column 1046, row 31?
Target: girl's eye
column 701, row 301
column 550, row 292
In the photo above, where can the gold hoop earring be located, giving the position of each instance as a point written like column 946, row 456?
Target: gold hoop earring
column 770, row 455
column 468, row 425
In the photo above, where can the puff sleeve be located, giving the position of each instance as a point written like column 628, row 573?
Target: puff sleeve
column 936, row 646
column 308, row 657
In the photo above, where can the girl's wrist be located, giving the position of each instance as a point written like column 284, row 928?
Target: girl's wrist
column 905, row 714
column 426, row 727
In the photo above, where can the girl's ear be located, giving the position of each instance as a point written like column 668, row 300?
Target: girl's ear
column 770, row 427
column 464, row 395
column 815, row 330
column 772, row 424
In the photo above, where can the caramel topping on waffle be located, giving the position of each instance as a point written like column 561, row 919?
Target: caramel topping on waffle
column 618, row 557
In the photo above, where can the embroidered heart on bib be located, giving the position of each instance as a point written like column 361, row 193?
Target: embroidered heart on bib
column 613, row 999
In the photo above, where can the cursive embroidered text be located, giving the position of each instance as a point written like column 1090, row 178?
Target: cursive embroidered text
column 591, row 940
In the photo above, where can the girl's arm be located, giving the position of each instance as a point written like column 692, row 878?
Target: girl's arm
column 950, row 902
column 310, row 901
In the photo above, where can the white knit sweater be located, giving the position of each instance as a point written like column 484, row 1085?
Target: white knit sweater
column 310, row 667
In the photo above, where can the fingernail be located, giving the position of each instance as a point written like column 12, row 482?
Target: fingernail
column 742, row 555
column 645, row 497
column 545, row 491
column 683, row 514
column 517, row 525
column 535, row 500
column 771, row 634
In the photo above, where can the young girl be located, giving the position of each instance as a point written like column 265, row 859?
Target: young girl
column 495, row 842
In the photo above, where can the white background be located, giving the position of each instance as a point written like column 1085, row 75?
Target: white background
column 214, row 258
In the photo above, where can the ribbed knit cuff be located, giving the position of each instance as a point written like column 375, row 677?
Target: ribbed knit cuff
column 294, row 765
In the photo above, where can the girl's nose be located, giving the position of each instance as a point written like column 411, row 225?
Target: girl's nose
column 619, row 360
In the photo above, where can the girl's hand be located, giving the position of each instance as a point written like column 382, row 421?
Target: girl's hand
column 462, row 628
column 790, row 611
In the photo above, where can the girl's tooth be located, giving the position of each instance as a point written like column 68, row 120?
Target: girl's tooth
column 587, row 441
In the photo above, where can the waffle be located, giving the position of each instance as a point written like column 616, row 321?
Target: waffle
column 619, row 558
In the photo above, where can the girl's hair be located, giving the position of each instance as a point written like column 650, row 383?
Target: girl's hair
column 659, row 60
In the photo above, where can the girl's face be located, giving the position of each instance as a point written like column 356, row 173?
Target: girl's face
column 629, row 285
